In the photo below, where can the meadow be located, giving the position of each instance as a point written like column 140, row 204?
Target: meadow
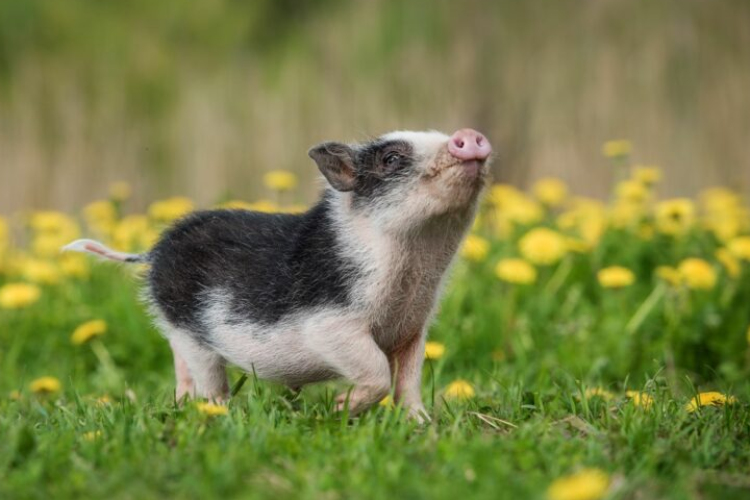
column 584, row 349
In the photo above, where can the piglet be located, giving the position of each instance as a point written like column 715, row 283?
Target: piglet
column 346, row 289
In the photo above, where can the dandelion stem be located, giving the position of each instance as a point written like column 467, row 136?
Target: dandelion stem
column 645, row 309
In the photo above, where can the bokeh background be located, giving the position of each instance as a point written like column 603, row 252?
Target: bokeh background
column 198, row 98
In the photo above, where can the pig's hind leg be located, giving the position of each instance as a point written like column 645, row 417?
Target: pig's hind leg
column 353, row 353
column 200, row 372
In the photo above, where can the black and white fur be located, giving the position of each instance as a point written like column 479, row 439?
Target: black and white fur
column 346, row 289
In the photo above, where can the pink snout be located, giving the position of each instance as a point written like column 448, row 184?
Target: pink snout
column 468, row 144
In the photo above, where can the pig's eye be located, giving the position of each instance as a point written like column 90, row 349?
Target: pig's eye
column 392, row 159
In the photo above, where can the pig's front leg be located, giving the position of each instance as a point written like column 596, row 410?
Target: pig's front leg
column 406, row 364
column 351, row 351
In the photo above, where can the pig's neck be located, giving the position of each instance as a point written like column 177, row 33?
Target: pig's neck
column 400, row 272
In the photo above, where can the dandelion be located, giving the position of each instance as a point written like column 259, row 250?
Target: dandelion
column 669, row 274
column 129, row 232
column 459, row 389
column 475, row 248
column 47, row 245
column 516, row 271
column 709, row 399
column 631, row 191
column 88, row 331
column 434, row 350
column 74, row 265
column 120, row 191
column 586, row 484
column 18, row 295
column 618, row 148
column 387, row 401
column 264, row 206
column 576, row 245
column 45, row 385
column 542, row 246
column 647, row 175
column 598, row 392
column 92, row 435
column 212, row 409
column 615, row 277
column 697, row 274
column 625, row 213
column 57, row 223
column 40, row 271
column 675, row 217
column 100, row 216
column 550, row 191
column 740, row 247
column 170, row 209
column 641, row 399
column 729, row 261
column 280, row 180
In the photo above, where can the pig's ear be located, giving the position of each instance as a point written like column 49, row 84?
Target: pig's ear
column 336, row 162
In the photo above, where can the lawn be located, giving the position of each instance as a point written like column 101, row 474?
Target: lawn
column 582, row 350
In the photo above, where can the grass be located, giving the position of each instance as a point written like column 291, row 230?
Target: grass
column 550, row 363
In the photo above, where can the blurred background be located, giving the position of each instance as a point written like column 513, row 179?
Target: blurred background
column 199, row 98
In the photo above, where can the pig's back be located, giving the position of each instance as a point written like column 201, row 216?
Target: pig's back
column 260, row 266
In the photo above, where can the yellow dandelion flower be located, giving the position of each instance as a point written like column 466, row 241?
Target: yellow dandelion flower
column 264, row 206
column 41, row 271
column 576, row 245
column 675, row 217
column 386, row 401
column 103, row 400
column 615, row 277
column 624, row 213
column 280, row 180
column 647, row 175
column 170, row 209
column 74, row 265
column 638, row 398
column 434, row 350
column 18, row 295
column 211, row 409
column 709, row 399
column 586, row 484
column 129, row 231
column 669, row 274
column 740, row 247
column 47, row 245
column 631, row 191
column 235, row 205
column 100, row 216
column 475, row 248
column 618, row 148
column 459, row 389
column 55, row 223
column 729, row 261
column 88, row 330
column 719, row 200
column 293, row 209
column 542, row 246
column 550, row 191
column 92, row 435
column 598, row 392
column 697, row 274
column 516, row 271
column 45, row 385
column 120, row 191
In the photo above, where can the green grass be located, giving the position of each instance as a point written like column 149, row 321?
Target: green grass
column 528, row 424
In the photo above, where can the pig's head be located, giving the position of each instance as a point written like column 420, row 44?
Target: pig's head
column 405, row 179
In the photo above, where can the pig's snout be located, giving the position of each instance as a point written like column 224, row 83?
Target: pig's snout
column 468, row 144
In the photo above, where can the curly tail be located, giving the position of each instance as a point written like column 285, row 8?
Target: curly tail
column 101, row 250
